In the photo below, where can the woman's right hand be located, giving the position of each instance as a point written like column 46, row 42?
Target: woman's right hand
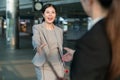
column 39, row 48
column 69, row 55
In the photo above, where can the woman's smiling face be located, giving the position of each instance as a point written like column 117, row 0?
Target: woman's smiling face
column 49, row 15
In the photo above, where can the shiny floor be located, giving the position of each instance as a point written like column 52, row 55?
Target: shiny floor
column 16, row 64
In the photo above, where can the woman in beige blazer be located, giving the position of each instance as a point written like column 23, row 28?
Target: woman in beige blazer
column 47, row 39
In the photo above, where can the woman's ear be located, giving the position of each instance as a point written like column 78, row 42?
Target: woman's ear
column 43, row 15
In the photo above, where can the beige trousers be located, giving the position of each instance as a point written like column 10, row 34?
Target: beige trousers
column 45, row 72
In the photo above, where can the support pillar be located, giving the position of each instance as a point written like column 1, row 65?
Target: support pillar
column 12, row 19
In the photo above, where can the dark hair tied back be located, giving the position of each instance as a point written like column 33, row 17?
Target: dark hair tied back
column 105, row 3
column 46, row 6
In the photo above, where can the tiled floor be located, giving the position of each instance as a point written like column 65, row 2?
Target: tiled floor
column 16, row 64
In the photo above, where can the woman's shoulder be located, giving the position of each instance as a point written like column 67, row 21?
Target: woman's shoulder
column 58, row 28
column 37, row 26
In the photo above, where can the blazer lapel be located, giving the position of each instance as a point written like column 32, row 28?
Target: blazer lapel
column 43, row 37
column 43, row 31
column 57, row 32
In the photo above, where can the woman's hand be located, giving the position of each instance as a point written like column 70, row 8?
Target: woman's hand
column 69, row 55
column 39, row 48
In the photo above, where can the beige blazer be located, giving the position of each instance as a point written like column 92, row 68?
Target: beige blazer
column 39, row 35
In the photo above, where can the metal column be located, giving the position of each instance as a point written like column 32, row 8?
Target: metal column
column 12, row 19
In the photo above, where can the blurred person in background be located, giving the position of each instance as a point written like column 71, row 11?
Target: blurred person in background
column 92, row 57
